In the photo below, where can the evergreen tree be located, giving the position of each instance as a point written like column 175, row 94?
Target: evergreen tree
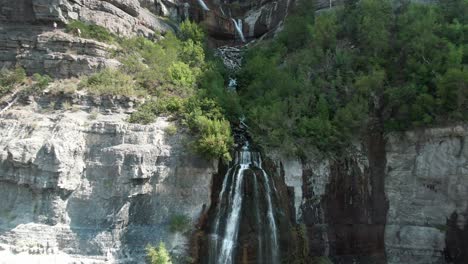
column 158, row 255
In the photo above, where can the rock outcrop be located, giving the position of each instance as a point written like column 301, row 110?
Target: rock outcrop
column 52, row 52
column 83, row 185
column 426, row 185
column 28, row 38
column 256, row 17
column 425, row 191
column 122, row 17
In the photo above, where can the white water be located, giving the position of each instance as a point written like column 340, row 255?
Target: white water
column 232, row 224
column 238, row 26
column 203, row 5
column 224, row 238
column 271, row 221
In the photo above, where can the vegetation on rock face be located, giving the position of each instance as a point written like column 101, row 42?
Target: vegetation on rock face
column 181, row 78
column 111, row 82
column 327, row 75
column 158, row 255
column 90, row 31
column 10, row 78
column 179, row 223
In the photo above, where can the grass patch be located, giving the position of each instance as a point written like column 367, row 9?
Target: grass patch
column 10, row 78
column 111, row 82
column 171, row 130
column 179, row 223
column 90, row 31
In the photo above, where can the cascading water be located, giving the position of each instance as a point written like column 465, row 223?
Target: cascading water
column 224, row 235
column 203, row 5
column 244, row 221
column 238, row 26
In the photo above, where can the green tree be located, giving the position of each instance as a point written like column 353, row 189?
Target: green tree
column 191, row 30
column 158, row 255
column 452, row 90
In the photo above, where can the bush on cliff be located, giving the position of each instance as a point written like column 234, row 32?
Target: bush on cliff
column 158, row 255
column 326, row 76
column 111, row 82
column 10, row 78
column 185, row 83
column 90, row 31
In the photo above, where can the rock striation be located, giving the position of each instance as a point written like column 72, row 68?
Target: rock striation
column 52, row 52
column 122, row 17
column 421, row 215
column 83, row 185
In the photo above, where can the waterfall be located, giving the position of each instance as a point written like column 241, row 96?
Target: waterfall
column 230, row 208
column 238, row 26
column 203, row 5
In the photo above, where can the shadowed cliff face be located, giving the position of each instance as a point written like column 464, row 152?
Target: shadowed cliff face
column 456, row 241
column 348, row 222
column 256, row 17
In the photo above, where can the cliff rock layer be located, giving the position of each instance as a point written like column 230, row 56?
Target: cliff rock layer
column 419, row 176
column 78, row 185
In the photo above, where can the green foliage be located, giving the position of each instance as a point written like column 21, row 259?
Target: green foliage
column 215, row 137
column 181, row 75
column 191, row 31
column 171, row 130
column 179, row 223
column 452, row 92
column 111, row 82
column 145, row 115
column 158, row 255
column 202, row 115
column 325, row 77
column 41, row 81
column 90, row 31
column 185, row 83
column 10, row 78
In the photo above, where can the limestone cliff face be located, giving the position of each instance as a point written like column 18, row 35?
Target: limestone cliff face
column 420, row 215
column 77, row 185
column 27, row 36
column 123, row 17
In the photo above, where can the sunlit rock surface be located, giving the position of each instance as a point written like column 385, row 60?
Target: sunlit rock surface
column 87, row 187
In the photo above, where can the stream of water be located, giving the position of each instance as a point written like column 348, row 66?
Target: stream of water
column 225, row 231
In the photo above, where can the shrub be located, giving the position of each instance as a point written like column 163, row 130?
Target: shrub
column 90, row 31
column 144, row 115
column 171, row 130
column 41, row 82
column 93, row 115
column 179, row 223
column 9, row 78
column 190, row 30
column 158, row 255
column 214, row 138
column 111, row 82
column 66, row 105
column 181, row 75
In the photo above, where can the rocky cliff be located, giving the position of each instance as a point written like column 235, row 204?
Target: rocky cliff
column 84, row 186
column 419, row 215
column 28, row 38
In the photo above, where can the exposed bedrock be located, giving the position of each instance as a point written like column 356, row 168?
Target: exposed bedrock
column 77, row 186
column 55, row 53
column 256, row 17
column 424, row 176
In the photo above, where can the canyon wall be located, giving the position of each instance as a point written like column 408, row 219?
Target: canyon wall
column 420, row 215
column 82, row 185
